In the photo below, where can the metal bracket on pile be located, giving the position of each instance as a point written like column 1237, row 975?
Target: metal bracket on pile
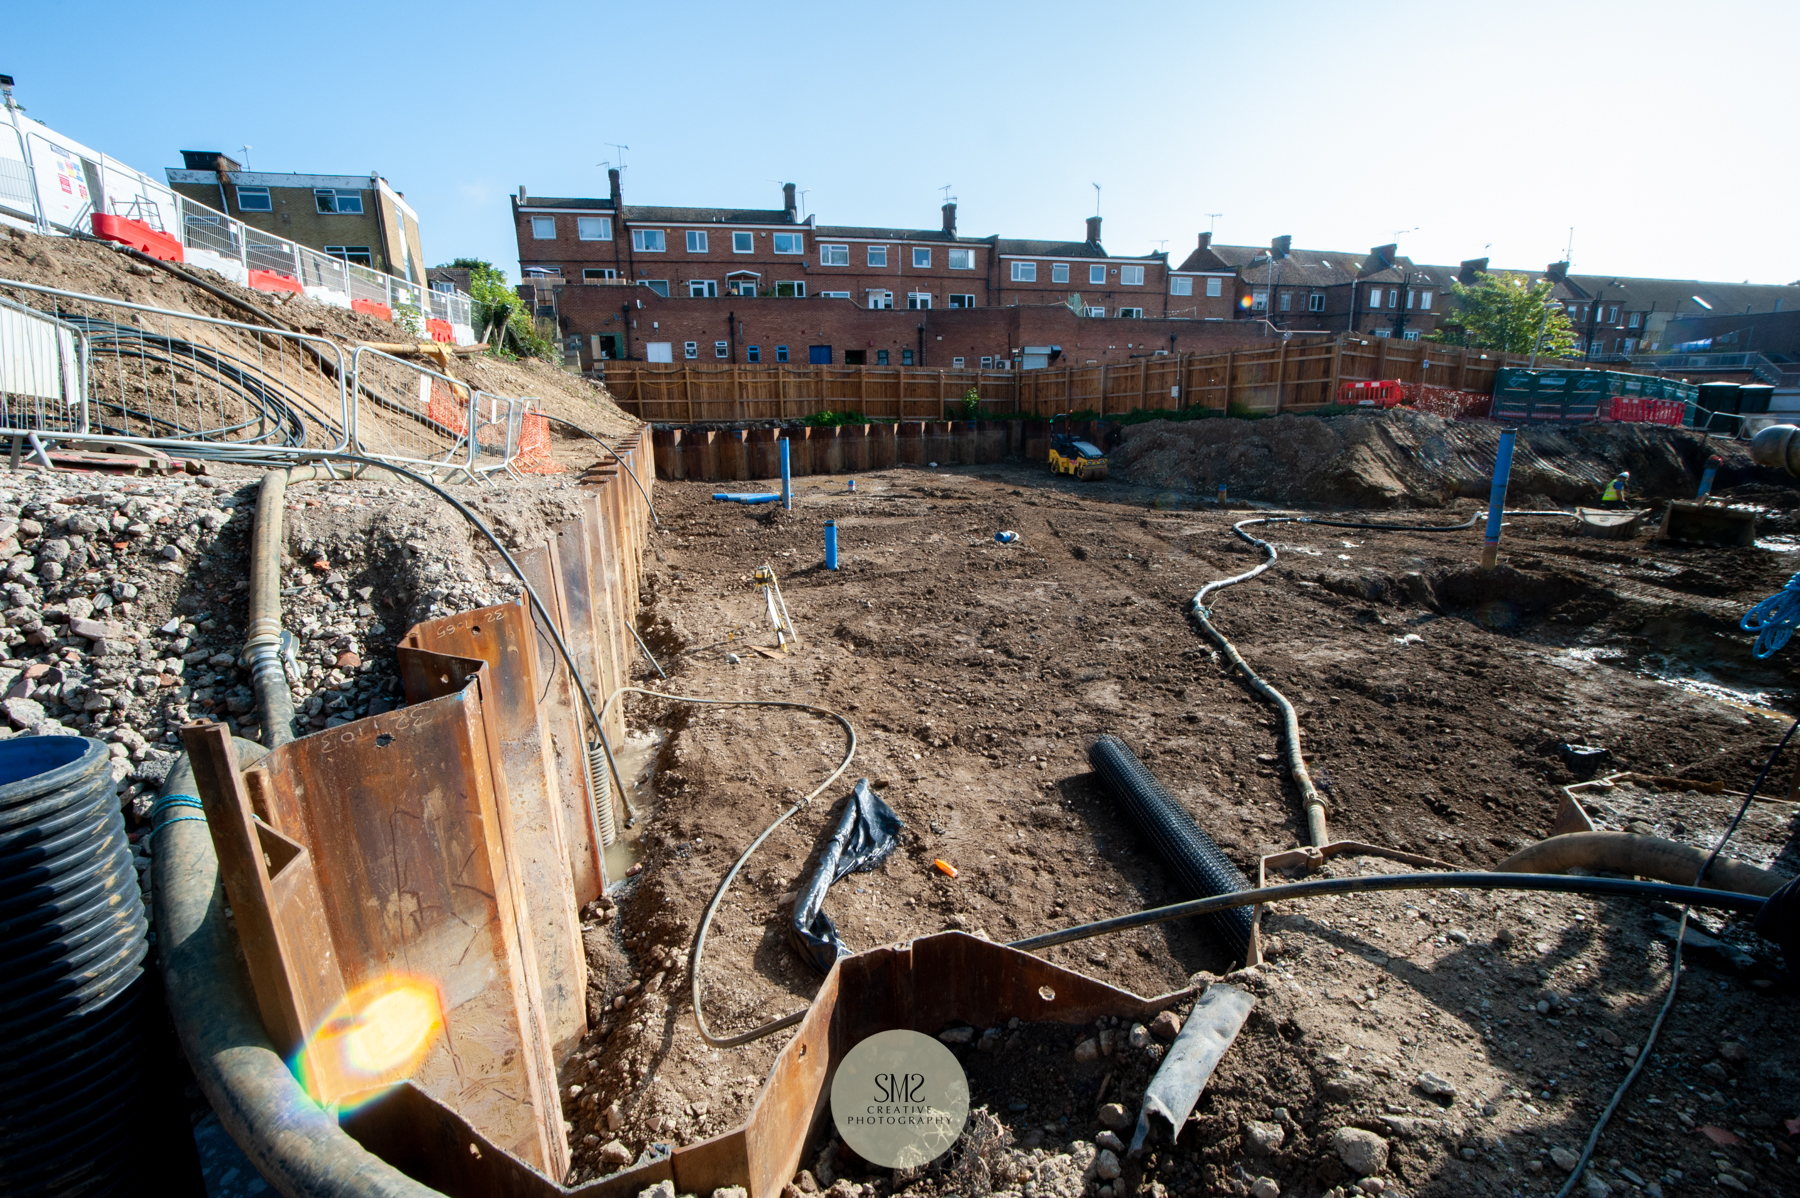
column 785, row 636
column 1307, row 859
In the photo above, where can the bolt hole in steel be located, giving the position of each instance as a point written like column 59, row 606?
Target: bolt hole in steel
column 443, row 677
column 384, row 740
column 1047, row 994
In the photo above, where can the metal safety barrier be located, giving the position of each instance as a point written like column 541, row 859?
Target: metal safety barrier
column 43, row 371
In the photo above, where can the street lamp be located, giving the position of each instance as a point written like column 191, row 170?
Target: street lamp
column 1550, row 309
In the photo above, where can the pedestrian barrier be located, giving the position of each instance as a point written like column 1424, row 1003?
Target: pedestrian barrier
column 268, row 280
column 1382, row 393
column 138, row 235
column 1648, row 411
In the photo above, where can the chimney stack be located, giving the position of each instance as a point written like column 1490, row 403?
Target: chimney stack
column 950, row 219
column 1206, row 241
column 618, row 196
column 1557, row 270
column 521, row 193
column 1281, row 246
column 787, row 201
column 1093, row 237
column 1470, row 270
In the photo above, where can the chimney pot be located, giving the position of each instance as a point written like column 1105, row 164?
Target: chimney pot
column 521, row 193
column 1093, row 230
column 950, row 219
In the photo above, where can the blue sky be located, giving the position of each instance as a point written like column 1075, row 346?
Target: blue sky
column 1662, row 132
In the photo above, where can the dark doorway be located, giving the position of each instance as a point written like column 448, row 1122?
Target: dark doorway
column 855, row 357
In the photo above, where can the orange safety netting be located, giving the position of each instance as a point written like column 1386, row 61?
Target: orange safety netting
column 534, row 447
column 448, row 408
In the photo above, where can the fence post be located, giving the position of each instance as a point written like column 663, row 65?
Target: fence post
column 1381, row 344
column 1337, row 370
column 1280, row 374
column 1230, row 365
column 737, row 393
column 687, row 393
column 1462, row 370
column 1144, row 384
column 942, row 414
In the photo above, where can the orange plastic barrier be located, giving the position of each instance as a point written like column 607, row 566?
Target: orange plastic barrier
column 1647, row 411
column 269, row 280
column 1382, row 393
column 139, row 236
column 440, row 330
column 371, row 308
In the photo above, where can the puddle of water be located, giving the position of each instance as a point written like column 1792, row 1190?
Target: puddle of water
column 637, row 765
column 1771, row 703
column 1779, row 544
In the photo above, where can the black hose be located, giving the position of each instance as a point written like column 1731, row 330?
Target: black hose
column 619, row 458
column 1201, row 869
column 1654, row 892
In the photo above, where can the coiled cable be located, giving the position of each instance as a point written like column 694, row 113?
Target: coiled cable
column 1774, row 619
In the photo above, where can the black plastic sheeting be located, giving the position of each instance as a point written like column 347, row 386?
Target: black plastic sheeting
column 867, row 832
column 1201, row 868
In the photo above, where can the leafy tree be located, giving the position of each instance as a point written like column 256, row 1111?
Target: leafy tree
column 1501, row 312
column 500, row 315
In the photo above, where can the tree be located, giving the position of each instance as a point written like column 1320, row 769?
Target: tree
column 1501, row 312
column 499, row 314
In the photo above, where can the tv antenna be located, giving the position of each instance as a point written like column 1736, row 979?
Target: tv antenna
column 803, row 192
column 1160, row 243
column 246, row 150
column 1212, row 222
column 618, row 153
column 1096, row 199
column 1569, row 250
column 946, row 190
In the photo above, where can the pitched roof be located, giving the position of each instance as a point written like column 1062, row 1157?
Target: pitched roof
column 710, row 216
column 1668, row 295
column 879, row 234
column 532, row 201
column 1022, row 247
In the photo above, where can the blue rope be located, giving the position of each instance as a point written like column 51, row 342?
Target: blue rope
column 169, row 802
column 1775, row 618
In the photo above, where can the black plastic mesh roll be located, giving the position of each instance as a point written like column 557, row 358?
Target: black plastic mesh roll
column 72, row 946
column 1201, row 869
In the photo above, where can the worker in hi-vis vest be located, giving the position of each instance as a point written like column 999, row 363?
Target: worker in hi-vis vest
column 1615, row 490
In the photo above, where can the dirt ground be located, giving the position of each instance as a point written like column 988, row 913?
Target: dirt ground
column 1434, row 700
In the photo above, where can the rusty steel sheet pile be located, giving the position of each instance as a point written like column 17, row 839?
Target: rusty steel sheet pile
column 406, row 887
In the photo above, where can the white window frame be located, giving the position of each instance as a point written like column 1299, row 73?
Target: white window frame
column 987, row 362
column 1215, row 287
column 742, row 283
column 1412, row 334
column 593, row 228
column 721, row 349
column 338, row 199
column 262, row 193
column 958, row 363
column 696, row 241
column 831, row 254
column 1130, row 313
column 1287, row 301
column 1095, row 310
column 880, row 300
column 834, row 295
column 1024, row 272
column 362, row 255
column 649, row 241
column 1393, row 297
column 659, row 286
column 690, row 350
column 1632, row 320
column 796, row 288
column 962, row 300
column 1259, row 301
column 703, row 289
column 1181, row 286
column 1096, row 275
column 1131, row 276
column 541, row 223
column 921, row 257
column 967, row 259
column 743, row 243
column 1374, row 299
column 1412, row 300
column 1059, row 272
column 918, row 301
column 1315, row 302
column 878, row 255
column 595, row 274
column 1425, row 298
column 795, row 243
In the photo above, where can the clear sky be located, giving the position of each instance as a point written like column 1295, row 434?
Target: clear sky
column 1663, row 133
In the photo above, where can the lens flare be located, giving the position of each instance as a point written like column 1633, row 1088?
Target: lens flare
column 378, row 1035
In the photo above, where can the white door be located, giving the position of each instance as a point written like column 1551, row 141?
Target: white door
column 659, row 351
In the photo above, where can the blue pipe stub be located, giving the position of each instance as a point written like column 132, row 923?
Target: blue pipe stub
column 746, row 496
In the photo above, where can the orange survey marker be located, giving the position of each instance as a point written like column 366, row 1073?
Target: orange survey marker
column 944, row 867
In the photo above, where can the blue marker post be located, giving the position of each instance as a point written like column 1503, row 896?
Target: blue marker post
column 1490, row 549
column 1706, row 479
column 831, row 544
column 787, row 481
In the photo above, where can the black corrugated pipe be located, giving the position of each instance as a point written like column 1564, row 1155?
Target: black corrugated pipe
column 72, row 946
column 1201, row 869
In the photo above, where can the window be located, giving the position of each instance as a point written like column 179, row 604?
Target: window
column 721, row 349
column 1181, row 286
column 531, row 272
column 1131, row 313
column 856, row 357
column 753, row 353
column 660, row 286
column 918, row 299
column 1096, row 274
column 1424, row 301
column 1412, row 334
column 358, row 254
column 906, row 357
column 596, row 274
column 962, row 301
column 648, row 241
column 781, row 354
column 1059, row 272
column 1024, row 272
column 1093, row 311
column 743, row 243
column 659, row 351
column 921, row 258
column 1384, row 332
column 1259, row 301
column 1412, row 299
column 702, row 289
column 543, row 228
column 1131, row 276
column 1315, row 302
column 834, row 295
column 957, row 363
column 1633, row 321
column 696, row 241
column 349, row 203
column 962, row 259
column 740, row 284
column 593, row 228
column 254, row 199
column 878, row 255
column 881, row 357
column 1215, row 288
column 795, row 290
column 690, row 349
column 1287, row 301
column 987, row 362
column 790, row 243
column 1612, row 314
column 881, row 299
column 1393, row 298
column 834, row 255
column 1374, row 298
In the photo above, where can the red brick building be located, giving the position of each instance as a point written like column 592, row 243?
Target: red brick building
column 866, row 290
